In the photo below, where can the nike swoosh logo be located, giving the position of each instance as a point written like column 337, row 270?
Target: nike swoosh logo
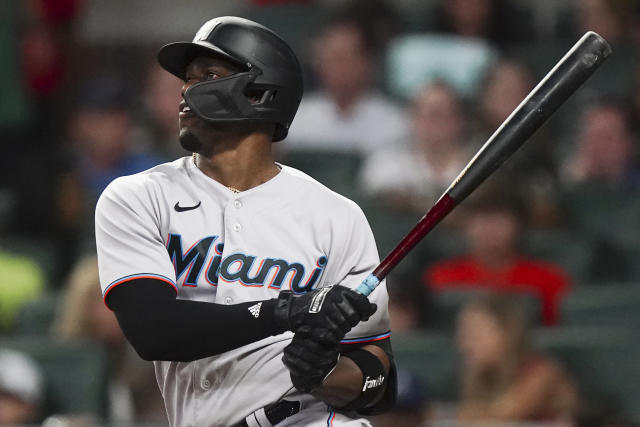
column 179, row 208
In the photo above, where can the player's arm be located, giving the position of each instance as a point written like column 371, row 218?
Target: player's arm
column 348, row 377
column 357, row 373
column 161, row 327
column 347, row 386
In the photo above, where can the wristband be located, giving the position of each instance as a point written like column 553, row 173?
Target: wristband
column 374, row 378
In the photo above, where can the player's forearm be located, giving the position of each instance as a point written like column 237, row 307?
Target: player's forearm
column 159, row 327
column 345, row 382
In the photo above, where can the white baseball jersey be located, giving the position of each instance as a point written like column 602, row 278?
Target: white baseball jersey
column 177, row 225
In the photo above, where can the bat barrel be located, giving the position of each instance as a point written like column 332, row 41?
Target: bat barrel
column 558, row 85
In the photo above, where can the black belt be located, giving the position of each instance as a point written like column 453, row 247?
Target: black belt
column 275, row 413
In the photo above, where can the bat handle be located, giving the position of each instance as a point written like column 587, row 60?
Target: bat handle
column 368, row 285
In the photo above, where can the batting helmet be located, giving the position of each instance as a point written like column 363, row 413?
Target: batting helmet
column 268, row 66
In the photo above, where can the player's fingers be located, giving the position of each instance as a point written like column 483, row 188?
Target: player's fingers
column 304, row 331
column 306, row 384
column 361, row 304
column 311, row 351
column 326, row 337
column 326, row 322
column 349, row 312
column 300, row 367
column 297, row 351
column 340, row 321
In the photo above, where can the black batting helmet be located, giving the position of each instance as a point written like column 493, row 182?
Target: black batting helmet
column 269, row 68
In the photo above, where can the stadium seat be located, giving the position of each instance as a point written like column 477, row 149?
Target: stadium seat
column 605, row 213
column 75, row 374
column 336, row 170
column 603, row 361
column 605, row 304
column 568, row 250
column 461, row 62
column 432, row 358
column 294, row 23
column 36, row 317
column 40, row 251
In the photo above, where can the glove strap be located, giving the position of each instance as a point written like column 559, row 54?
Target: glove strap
column 374, row 378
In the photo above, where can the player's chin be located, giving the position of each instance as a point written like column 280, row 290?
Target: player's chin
column 188, row 140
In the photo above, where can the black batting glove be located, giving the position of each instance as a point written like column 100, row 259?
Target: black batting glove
column 309, row 359
column 332, row 311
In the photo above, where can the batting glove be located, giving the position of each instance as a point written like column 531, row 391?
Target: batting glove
column 309, row 359
column 332, row 311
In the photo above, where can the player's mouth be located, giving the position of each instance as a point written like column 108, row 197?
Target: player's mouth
column 185, row 111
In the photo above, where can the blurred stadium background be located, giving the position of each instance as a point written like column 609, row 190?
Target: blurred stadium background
column 400, row 93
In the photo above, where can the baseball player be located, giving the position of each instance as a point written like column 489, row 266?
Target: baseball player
column 233, row 273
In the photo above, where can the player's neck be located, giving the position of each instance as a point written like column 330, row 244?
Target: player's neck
column 242, row 165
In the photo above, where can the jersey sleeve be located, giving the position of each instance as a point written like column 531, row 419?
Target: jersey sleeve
column 128, row 237
column 353, row 258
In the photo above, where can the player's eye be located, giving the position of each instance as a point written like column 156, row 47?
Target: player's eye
column 211, row 75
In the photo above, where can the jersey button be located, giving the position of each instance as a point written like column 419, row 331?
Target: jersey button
column 228, row 300
column 237, row 204
column 237, row 227
column 206, row 384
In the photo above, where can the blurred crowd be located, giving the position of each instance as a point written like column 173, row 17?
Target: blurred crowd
column 529, row 291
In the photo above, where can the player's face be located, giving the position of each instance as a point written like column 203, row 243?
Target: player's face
column 193, row 130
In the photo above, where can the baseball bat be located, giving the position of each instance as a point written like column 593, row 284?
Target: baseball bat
column 552, row 91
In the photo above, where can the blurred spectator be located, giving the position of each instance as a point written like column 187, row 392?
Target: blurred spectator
column 495, row 219
column 162, row 94
column 507, row 84
column 22, row 280
column 132, row 393
column 503, row 378
column 613, row 20
column 609, row 18
column 409, row 410
column 532, row 169
column 498, row 21
column 346, row 113
column 604, row 152
column 412, row 176
column 380, row 18
column 408, row 303
column 100, row 148
column 21, row 389
column 100, row 130
column 14, row 108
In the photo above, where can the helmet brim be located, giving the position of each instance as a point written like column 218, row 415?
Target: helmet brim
column 175, row 57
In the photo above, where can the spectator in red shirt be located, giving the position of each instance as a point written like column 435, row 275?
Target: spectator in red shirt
column 493, row 228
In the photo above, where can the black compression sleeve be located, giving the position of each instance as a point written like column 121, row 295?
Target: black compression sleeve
column 161, row 327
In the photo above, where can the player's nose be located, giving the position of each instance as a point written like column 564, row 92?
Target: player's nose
column 186, row 85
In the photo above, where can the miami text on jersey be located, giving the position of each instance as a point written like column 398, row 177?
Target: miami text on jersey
column 237, row 267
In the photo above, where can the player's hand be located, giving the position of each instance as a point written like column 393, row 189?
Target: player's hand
column 309, row 359
column 333, row 310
